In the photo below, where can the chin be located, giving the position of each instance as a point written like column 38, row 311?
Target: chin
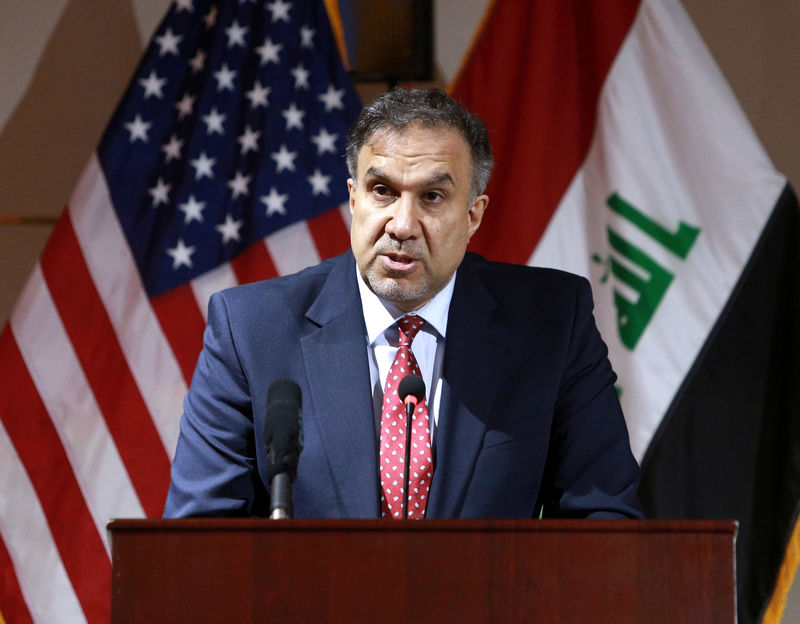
column 396, row 290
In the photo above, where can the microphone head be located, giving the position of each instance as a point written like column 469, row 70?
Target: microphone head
column 411, row 388
column 284, row 391
column 283, row 427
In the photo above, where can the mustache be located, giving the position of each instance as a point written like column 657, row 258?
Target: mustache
column 412, row 249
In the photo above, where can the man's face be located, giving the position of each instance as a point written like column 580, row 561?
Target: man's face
column 412, row 214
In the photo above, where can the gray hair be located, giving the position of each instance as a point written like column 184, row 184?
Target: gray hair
column 432, row 108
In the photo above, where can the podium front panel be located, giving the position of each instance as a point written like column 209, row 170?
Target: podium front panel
column 386, row 571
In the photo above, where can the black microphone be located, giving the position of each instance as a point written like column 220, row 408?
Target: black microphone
column 411, row 391
column 283, row 435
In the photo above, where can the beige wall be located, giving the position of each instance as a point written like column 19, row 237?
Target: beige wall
column 55, row 100
column 64, row 65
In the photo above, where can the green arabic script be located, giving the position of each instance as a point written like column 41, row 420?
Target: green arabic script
column 651, row 280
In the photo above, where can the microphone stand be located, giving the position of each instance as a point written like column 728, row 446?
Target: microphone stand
column 411, row 404
column 283, row 432
column 281, row 497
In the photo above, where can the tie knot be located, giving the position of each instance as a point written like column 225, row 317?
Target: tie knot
column 409, row 325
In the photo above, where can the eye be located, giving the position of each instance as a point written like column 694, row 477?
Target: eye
column 382, row 193
column 432, row 196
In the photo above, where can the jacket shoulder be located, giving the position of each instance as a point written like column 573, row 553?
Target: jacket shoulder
column 294, row 291
column 515, row 280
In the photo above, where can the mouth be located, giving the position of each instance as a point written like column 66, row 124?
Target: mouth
column 399, row 263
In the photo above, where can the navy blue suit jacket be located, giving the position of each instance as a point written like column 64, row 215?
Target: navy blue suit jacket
column 529, row 416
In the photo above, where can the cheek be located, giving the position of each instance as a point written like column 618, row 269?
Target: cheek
column 365, row 229
column 447, row 237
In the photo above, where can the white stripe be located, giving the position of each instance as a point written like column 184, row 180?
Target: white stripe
column 111, row 264
column 65, row 392
column 292, row 248
column 210, row 282
column 40, row 572
column 672, row 140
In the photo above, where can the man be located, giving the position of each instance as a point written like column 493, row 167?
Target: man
column 520, row 416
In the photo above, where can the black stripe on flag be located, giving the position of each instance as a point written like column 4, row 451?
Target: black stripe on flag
column 729, row 445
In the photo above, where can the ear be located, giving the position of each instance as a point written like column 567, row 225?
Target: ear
column 475, row 216
column 351, row 187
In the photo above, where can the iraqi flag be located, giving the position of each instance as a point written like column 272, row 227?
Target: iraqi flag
column 622, row 155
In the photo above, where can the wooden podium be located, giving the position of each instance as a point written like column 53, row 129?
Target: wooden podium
column 504, row 571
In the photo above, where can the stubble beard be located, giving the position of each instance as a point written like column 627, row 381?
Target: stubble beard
column 396, row 287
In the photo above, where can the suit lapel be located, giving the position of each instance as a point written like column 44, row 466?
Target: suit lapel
column 471, row 377
column 335, row 357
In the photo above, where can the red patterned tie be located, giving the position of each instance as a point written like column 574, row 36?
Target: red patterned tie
column 393, row 434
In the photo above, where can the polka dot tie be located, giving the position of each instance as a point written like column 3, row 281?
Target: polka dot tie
column 393, row 434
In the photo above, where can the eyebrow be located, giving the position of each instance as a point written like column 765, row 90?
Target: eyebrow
column 439, row 178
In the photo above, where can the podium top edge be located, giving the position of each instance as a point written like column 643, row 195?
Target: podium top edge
column 449, row 525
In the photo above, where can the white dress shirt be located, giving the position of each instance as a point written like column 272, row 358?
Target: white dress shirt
column 428, row 345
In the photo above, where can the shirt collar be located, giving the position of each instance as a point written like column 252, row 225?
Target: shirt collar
column 380, row 314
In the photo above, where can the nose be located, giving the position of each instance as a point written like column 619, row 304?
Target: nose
column 404, row 222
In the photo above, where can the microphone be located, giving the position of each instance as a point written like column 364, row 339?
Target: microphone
column 411, row 391
column 283, row 435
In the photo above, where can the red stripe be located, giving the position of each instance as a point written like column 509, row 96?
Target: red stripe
column 535, row 76
column 12, row 604
column 39, row 447
column 254, row 264
column 95, row 342
column 329, row 233
column 183, row 326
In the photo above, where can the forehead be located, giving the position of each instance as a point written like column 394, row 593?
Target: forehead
column 416, row 147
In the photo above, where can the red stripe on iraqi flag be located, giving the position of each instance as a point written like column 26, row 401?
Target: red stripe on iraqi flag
column 534, row 74
column 95, row 342
column 39, row 447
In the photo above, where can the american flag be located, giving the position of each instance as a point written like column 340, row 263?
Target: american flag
column 223, row 164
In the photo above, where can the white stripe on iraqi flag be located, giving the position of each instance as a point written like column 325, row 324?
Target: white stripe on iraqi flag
column 670, row 202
